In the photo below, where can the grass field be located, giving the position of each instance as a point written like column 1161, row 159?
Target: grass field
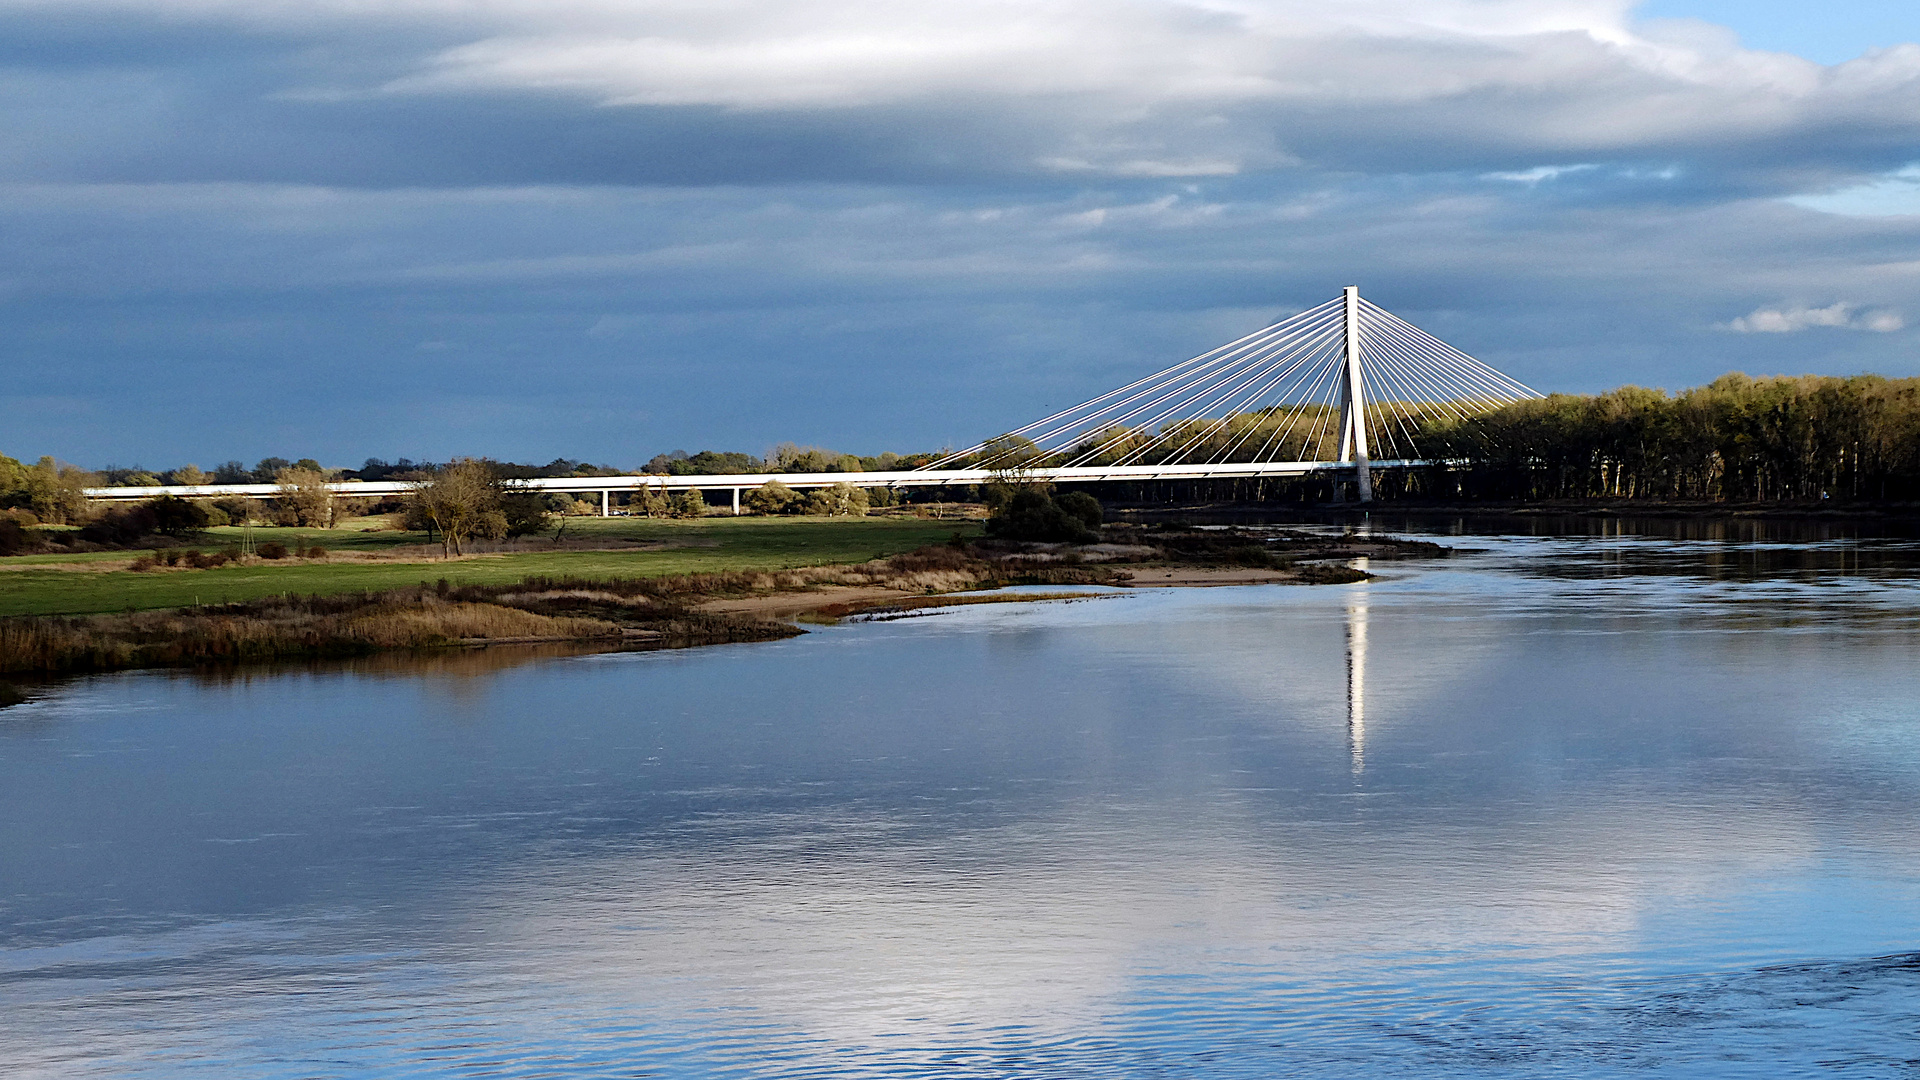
column 64, row 585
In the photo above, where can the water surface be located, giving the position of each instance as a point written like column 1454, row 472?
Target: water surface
column 1585, row 806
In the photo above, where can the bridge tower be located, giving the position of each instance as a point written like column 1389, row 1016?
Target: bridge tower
column 1353, row 401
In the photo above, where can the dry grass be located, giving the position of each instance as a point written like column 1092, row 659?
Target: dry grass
column 270, row 630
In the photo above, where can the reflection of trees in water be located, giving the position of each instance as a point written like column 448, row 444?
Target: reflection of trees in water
column 455, row 663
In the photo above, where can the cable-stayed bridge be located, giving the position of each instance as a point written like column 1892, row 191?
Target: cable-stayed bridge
column 1343, row 388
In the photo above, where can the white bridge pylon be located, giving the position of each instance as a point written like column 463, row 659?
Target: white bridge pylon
column 1345, row 386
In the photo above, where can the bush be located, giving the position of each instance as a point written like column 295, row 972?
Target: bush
column 1030, row 513
column 177, row 517
column 1081, row 505
column 772, row 497
column 840, row 500
column 273, row 549
column 526, row 513
column 120, row 527
column 649, row 502
column 689, row 504
column 314, row 552
column 14, row 538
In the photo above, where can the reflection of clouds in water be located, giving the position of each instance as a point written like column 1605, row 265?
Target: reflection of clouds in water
column 1284, row 651
column 1048, row 925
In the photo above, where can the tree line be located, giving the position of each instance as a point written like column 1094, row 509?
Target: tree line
column 1737, row 439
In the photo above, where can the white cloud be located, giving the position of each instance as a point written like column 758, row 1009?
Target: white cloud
column 1842, row 316
column 1538, row 173
column 1150, row 88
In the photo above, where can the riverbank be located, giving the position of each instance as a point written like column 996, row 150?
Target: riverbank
column 663, row 611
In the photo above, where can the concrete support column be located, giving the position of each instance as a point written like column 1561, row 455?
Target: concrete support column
column 736, row 502
column 606, row 503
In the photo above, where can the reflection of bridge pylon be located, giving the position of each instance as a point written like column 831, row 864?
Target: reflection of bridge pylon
column 1357, row 678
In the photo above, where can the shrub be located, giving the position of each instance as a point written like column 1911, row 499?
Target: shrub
column 689, row 504
column 314, row 552
column 14, row 538
column 176, row 517
column 1081, row 505
column 120, row 527
column 1030, row 513
column 840, row 500
column 649, row 502
column 526, row 513
column 145, row 562
column 772, row 497
column 273, row 549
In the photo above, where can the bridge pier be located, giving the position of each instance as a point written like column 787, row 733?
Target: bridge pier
column 736, row 502
column 606, row 505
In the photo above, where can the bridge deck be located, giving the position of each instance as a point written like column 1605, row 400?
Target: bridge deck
column 743, row 481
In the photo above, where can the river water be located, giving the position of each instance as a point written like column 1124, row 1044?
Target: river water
column 1588, row 806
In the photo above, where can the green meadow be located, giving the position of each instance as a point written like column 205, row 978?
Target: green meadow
column 70, row 585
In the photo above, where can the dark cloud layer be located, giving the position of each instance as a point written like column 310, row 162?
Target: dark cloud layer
column 604, row 229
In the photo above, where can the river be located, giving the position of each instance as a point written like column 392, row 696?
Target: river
column 1616, row 805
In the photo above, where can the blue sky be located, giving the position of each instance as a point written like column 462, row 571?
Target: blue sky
column 606, row 228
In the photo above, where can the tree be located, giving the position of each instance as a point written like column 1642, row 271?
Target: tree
column 305, row 496
column 689, row 504
column 1009, row 453
column 840, row 500
column 1081, row 505
column 789, row 458
column 526, row 511
column 772, row 497
column 461, row 501
column 1029, row 512
column 177, row 517
column 649, row 502
column 187, row 474
column 57, row 494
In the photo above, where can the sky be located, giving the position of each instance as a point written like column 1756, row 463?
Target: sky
column 603, row 229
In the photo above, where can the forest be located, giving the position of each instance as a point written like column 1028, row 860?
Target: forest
column 1737, row 439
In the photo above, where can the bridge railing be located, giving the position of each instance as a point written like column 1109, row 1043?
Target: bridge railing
column 746, row 481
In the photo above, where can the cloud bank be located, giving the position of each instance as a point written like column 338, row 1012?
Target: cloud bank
column 582, row 221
